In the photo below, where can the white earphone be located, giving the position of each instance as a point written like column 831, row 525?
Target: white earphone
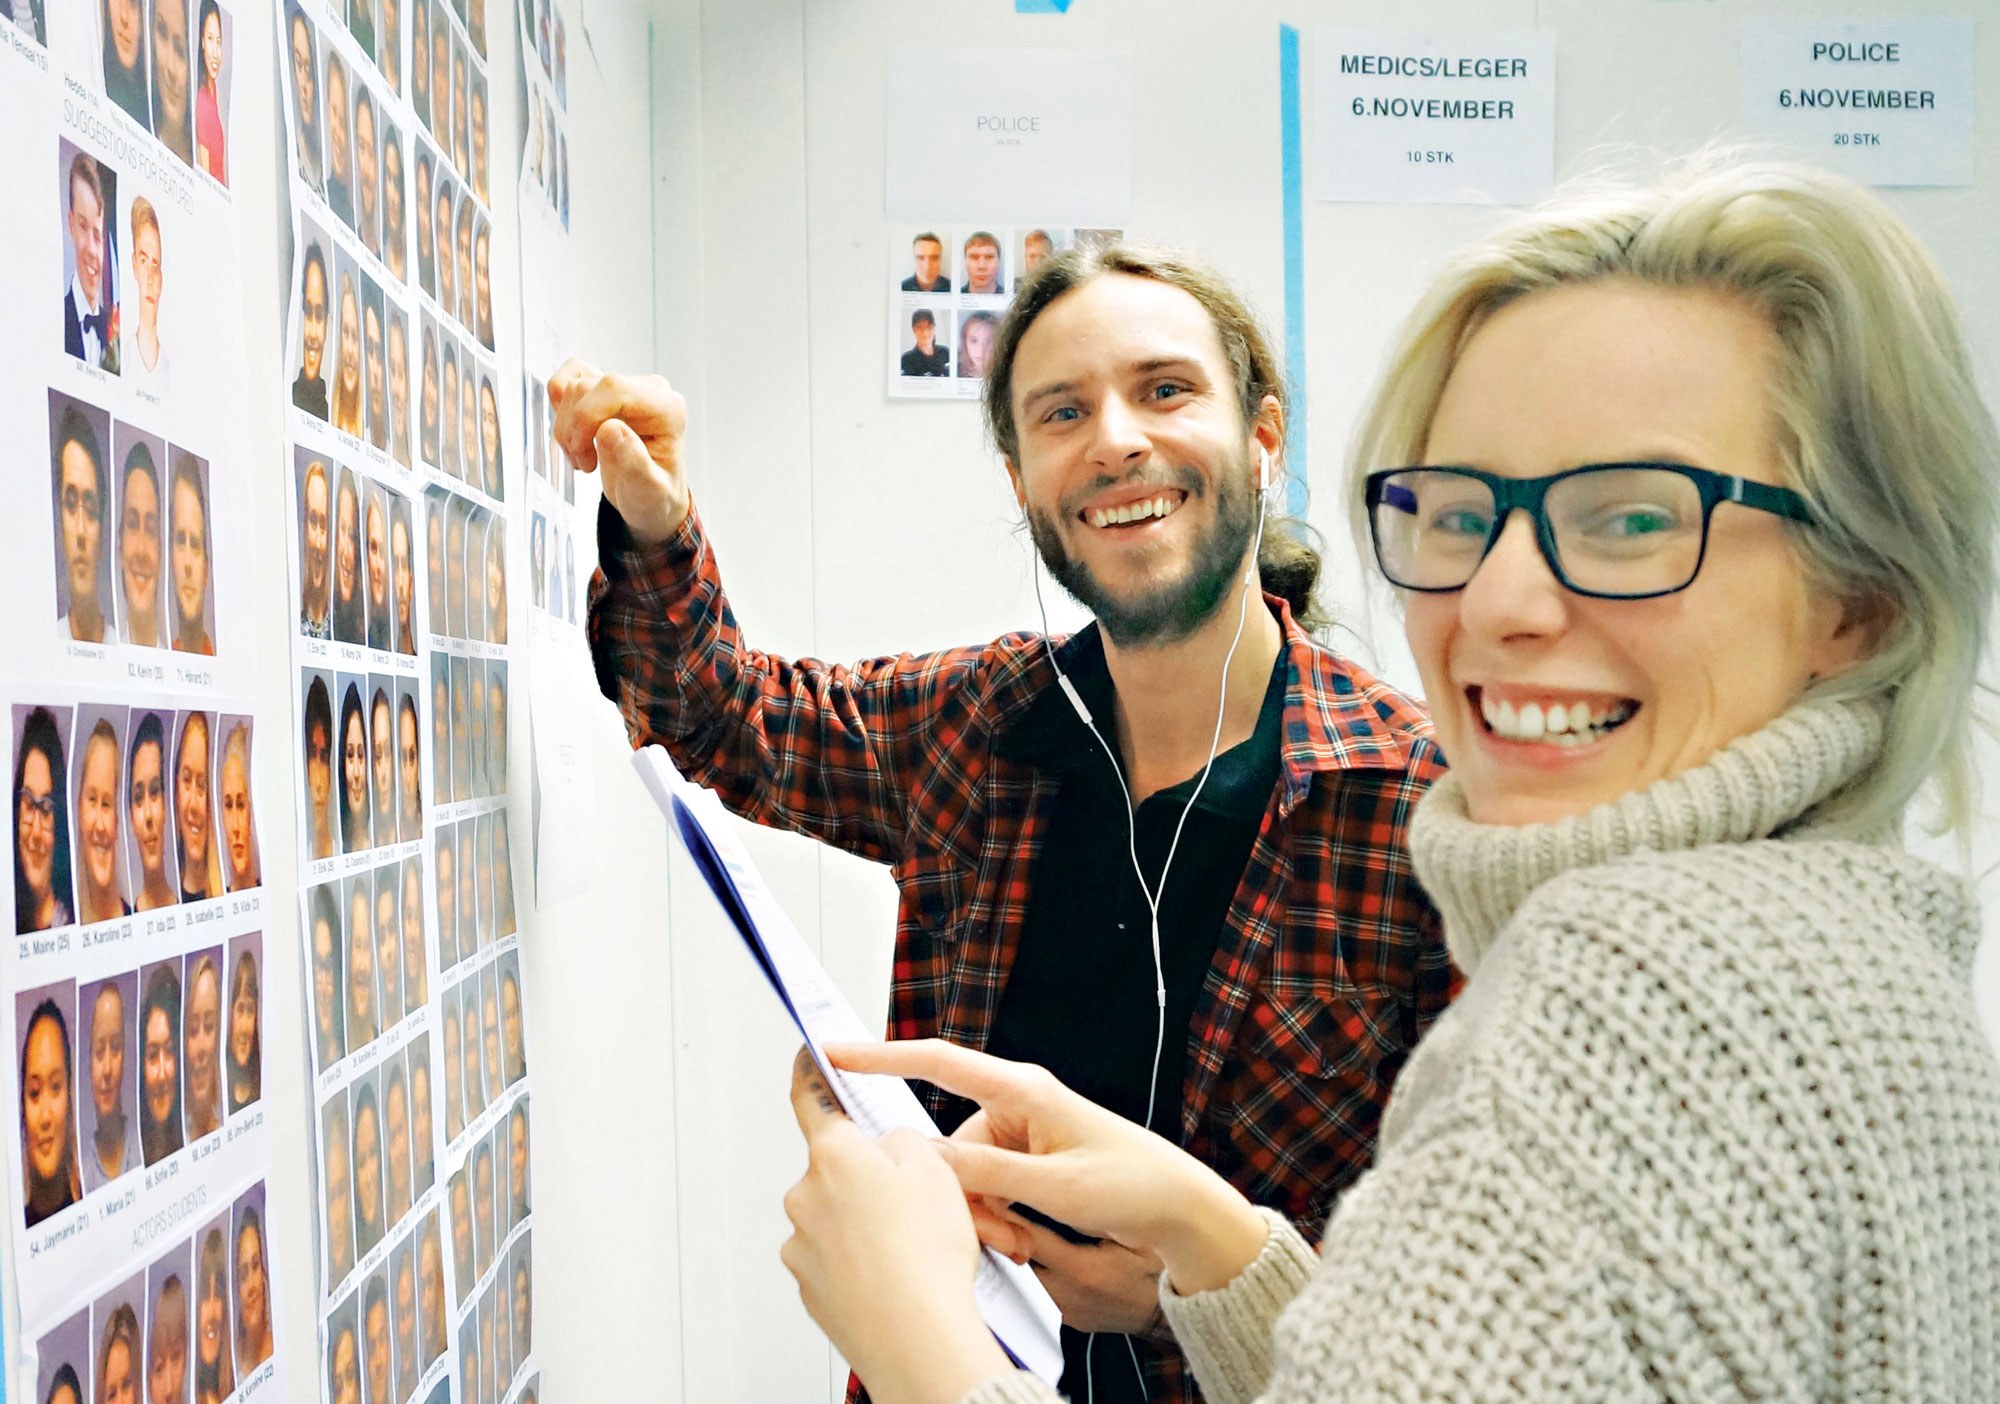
column 1265, row 482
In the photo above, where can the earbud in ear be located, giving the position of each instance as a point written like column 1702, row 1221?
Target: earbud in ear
column 1264, row 471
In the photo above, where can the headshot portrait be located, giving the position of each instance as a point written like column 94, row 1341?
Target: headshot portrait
column 214, row 1360
column 389, row 45
column 361, row 24
column 29, row 18
column 375, row 549
column 42, row 890
column 464, row 1260
column 416, row 961
column 356, row 833
column 304, row 72
column 403, row 575
column 109, row 1037
column 318, row 740
column 148, row 827
column 63, row 1362
column 146, row 361
column 983, row 273
column 448, row 459
column 468, row 415
column 513, row 1040
column 339, row 140
column 252, row 1281
column 422, row 1123
column 420, row 60
column 389, row 946
column 51, row 1178
column 409, row 765
column 167, row 1327
column 468, row 217
column 476, row 101
column 440, row 75
column 430, row 1289
column 922, row 355
column 347, row 371
column 441, row 785
column 367, row 170
column 444, row 857
column 338, row 1189
column 123, row 24
column 350, row 615
column 522, row 1275
column 245, row 1072
column 429, row 395
column 142, row 519
column 517, row 1161
column 343, row 1354
column 976, row 332
column 1036, row 245
column 484, row 1210
column 368, row 1223
column 434, row 509
column 456, row 514
column 376, row 363
column 382, row 756
column 98, row 807
column 444, row 219
column 482, row 281
column 398, row 416
column 188, row 556
column 361, row 1008
column 493, row 470
column 496, row 580
column 538, row 558
column 120, row 1360
column 489, row 1027
column 160, row 1062
column 376, row 1336
column 482, row 777
column 201, row 1044
column 329, row 1018
column 80, row 435
column 214, row 33
column 237, row 820
column 460, row 91
column 478, row 1085
column 503, row 872
column 201, row 871
column 422, row 197
column 461, row 728
column 929, row 273
column 173, row 117
column 309, row 383
column 454, row 1068
column 396, row 1139
column 475, row 575
column 403, row 1294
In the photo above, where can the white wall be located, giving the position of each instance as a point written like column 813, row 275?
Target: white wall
column 847, row 524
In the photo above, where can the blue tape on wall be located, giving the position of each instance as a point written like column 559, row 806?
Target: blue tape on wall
column 1041, row 7
column 1295, row 267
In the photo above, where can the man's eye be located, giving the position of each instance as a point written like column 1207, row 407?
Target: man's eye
column 1167, row 390
column 1062, row 414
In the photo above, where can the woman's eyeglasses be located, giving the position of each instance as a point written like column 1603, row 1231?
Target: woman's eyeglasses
column 1614, row 531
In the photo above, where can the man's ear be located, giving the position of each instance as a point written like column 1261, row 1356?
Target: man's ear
column 1014, row 479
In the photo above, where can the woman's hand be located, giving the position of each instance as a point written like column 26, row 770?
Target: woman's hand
column 1035, row 1142
column 884, row 1252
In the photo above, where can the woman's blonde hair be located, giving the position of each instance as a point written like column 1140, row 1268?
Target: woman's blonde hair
column 1880, row 424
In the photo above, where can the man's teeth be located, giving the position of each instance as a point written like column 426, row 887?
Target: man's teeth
column 1578, row 724
column 1164, row 505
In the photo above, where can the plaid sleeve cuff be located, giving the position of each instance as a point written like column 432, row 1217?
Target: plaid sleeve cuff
column 1226, row 1333
column 661, row 566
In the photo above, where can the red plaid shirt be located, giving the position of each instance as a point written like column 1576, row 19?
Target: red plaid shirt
column 1332, row 963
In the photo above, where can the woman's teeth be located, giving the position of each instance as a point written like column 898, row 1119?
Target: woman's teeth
column 1164, row 505
column 1554, row 724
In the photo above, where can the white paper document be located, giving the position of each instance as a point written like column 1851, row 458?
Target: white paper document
column 1021, row 1314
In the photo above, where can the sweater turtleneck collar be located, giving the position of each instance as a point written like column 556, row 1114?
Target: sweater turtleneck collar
column 1757, row 786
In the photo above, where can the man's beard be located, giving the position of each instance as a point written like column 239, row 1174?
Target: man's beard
column 1173, row 609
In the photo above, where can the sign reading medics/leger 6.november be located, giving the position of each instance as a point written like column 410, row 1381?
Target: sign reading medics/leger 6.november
column 1464, row 117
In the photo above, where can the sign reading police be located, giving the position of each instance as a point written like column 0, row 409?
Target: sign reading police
column 1884, row 101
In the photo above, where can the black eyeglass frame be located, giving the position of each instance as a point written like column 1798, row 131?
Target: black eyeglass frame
column 1529, row 495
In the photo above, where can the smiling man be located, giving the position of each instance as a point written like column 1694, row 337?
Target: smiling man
column 1195, row 733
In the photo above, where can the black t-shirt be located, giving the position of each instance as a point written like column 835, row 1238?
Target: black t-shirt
column 1080, row 997
column 915, row 362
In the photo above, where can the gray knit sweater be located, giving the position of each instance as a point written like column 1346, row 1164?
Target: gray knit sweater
column 1712, row 1121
